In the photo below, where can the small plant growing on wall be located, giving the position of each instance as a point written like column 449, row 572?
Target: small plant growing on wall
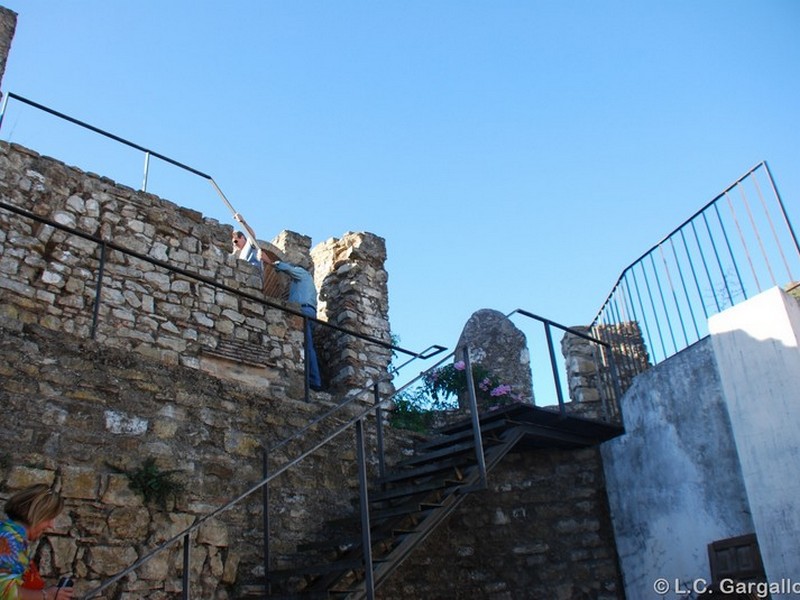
column 155, row 485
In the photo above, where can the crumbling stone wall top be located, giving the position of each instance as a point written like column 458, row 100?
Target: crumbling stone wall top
column 8, row 24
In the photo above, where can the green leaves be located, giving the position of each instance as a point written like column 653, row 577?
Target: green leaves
column 155, row 485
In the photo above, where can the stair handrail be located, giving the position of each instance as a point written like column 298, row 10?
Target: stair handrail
column 608, row 355
column 429, row 352
column 341, row 428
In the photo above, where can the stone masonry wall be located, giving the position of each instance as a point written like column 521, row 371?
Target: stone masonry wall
column 50, row 277
column 542, row 531
column 8, row 24
column 353, row 293
column 78, row 412
column 139, row 388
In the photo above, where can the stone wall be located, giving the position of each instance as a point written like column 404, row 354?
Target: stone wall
column 8, row 24
column 87, row 397
column 541, row 530
column 495, row 343
column 192, row 368
column 51, row 277
column 629, row 351
column 674, row 479
column 353, row 294
column 79, row 412
column 589, row 379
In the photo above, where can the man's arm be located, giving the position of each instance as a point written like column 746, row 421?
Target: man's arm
column 291, row 270
column 247, row 228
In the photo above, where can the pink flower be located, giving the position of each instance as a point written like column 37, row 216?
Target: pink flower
column 460, row 366
column 501, row 390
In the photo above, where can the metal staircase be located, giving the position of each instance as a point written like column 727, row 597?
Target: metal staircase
column 408, row 503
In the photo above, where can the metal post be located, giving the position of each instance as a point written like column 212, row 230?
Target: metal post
column 644, row 312
column 379, row 434
column 185, row 592
column 96, row 309
column 663, row 304
column 3, row 109
column 476, row 423
column 615, row 382
column 366, row 538
column 694, row 276
column 562, row 409
column 674, row 295
column 683, row 285
column 265, row 519
column 146, row 170
column 744, row 246
column 772, row 228
column 782, row 207
column 719, row 262
column 705, row 265
column 306, row 366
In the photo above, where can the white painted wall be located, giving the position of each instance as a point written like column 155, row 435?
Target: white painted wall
column 673, row 478
column 756, row 349
column 712, row 451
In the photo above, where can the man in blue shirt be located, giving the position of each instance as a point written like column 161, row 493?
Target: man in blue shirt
column 302, row 291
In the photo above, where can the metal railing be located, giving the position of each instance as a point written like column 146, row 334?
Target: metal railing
column 355, row 422
column 602, row 377
column 303, row 434
column 147, row 152
column 738, row 245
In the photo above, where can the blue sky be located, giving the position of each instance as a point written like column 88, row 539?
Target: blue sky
column 513, row 154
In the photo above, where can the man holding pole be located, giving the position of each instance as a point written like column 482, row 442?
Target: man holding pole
column 301, row 290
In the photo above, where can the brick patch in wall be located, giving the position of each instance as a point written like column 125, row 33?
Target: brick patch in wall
column 242, row 352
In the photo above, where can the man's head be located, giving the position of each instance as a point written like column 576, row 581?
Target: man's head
column 238, row 240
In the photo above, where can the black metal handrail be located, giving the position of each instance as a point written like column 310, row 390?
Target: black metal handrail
column 723, row 254
column 353, row 421
column 356, row 421
column 429, row 352
column 148, row 152
column 300, row 434
column 604, row 362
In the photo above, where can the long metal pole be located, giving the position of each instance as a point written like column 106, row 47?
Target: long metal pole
column 744, row 245
column 562, row 409
column 3, row 109
column 186, row 567
column 98, row 295
column 663, row 304
column 265, row 518
column 685, row 289
column 772, row 228
column 674, row 294
column 783, row 208
column 146, row 170
column 366, row 538
column 379, row 433
column 476, row 422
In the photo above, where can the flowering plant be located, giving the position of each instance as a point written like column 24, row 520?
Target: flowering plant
column 451, row 380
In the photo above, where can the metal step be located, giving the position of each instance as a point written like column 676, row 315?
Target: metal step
column 396, row 493
column 464, row 434
column 425, row 470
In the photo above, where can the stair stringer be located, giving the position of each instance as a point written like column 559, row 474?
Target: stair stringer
column 449, row 504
